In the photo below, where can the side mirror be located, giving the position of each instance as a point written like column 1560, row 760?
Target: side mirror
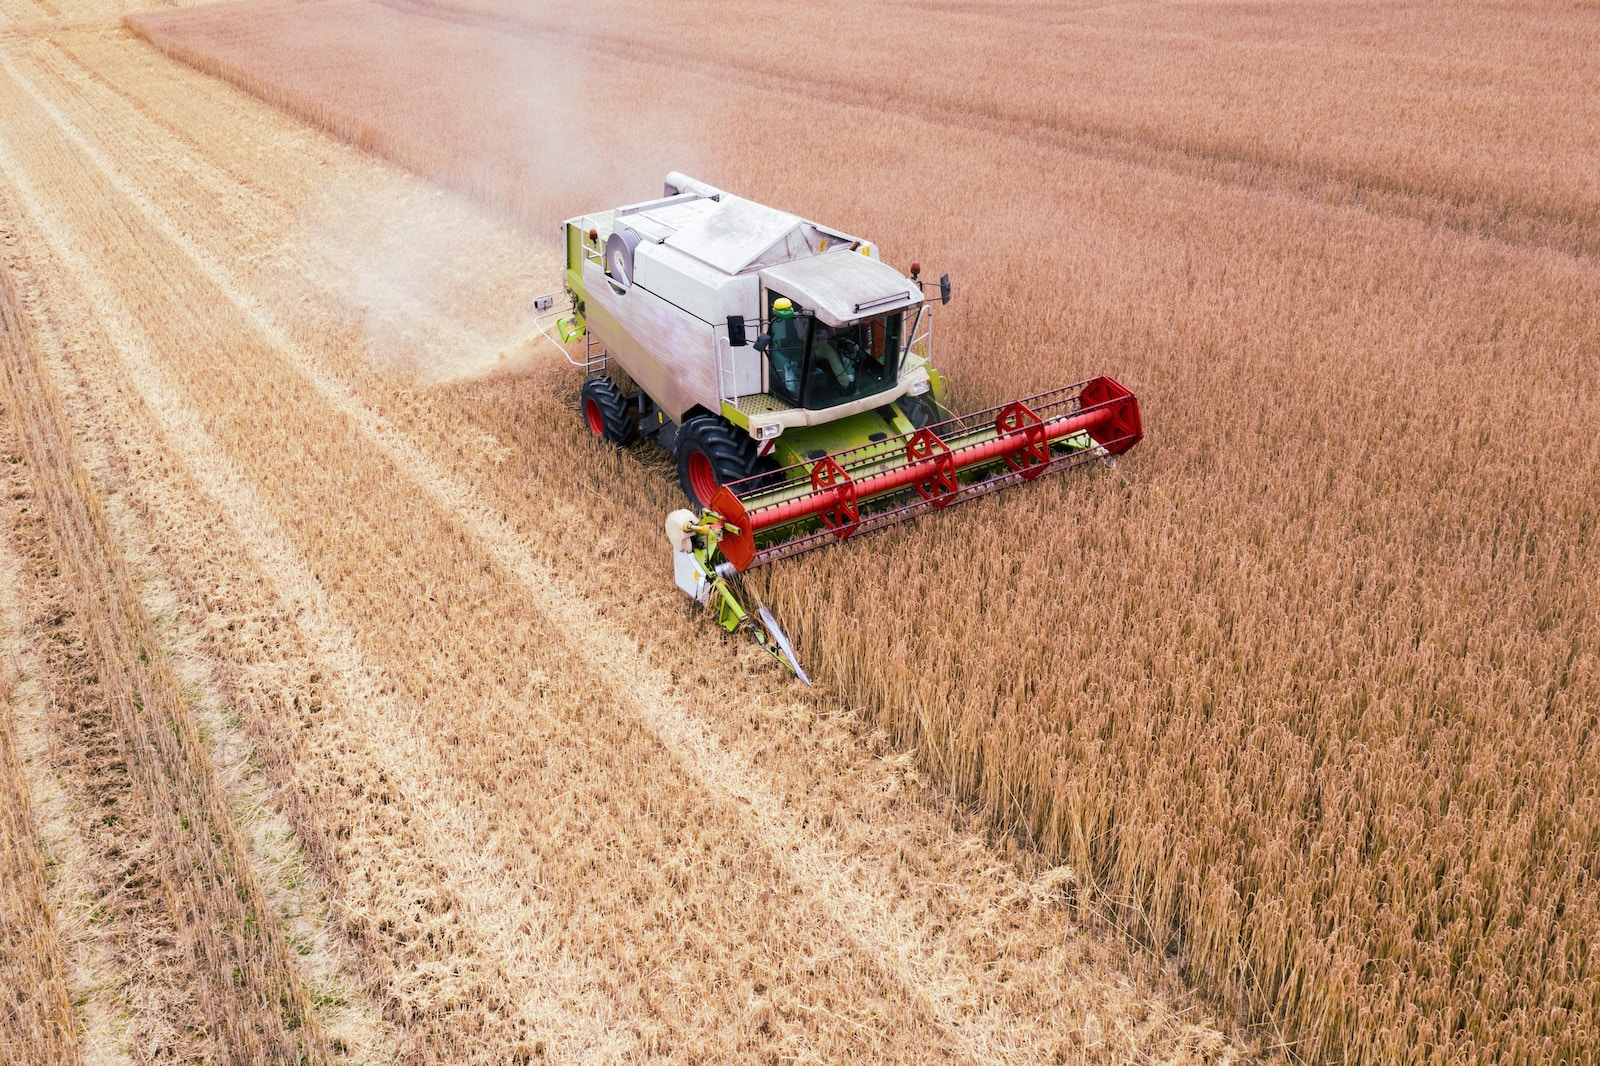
column 944, row 288
column 763, row 342
column 736, row 331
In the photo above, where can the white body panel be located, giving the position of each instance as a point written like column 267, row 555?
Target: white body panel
column 668, row 352
column 670, row 331
column 841, row 287
column 730, row 237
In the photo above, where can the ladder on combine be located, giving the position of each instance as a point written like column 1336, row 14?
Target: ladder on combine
column 594, row 356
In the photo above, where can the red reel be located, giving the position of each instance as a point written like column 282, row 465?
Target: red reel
column 843, row 514
column 1034, row 458
column 939, row 490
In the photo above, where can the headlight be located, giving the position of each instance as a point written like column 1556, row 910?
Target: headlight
column 770, row 431
column 918, row 387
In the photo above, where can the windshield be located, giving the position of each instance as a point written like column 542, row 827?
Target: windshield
column 815, row 365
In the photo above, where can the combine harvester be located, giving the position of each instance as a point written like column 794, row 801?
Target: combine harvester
column 786, row 367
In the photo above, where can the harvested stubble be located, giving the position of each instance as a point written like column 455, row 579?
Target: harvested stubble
column 1312, row 696
column 252, row 1004
column 36, row 1023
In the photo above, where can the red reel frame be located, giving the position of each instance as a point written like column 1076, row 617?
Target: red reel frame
column 1019, row 433
column 1034, row 458
column 842, row 514
column 939, row 490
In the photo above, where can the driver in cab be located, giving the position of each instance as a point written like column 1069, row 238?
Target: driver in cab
column 823, row 349
column 825, row 352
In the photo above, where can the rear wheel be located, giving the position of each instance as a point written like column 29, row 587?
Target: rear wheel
column 712, row 452
column 607, row 412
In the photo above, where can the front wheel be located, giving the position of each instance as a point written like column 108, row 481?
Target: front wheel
column 607, row 412
column 921, row 411
column 711, row 452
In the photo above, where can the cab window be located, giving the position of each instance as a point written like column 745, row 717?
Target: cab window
column 787, row 355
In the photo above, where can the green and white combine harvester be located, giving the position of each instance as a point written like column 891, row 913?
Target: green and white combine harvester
column 786, row 367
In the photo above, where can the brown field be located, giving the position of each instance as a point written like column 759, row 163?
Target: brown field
column 350, row 713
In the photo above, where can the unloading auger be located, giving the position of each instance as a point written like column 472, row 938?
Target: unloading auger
column 829, row 423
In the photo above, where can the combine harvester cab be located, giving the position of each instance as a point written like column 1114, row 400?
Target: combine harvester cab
column 787, row 369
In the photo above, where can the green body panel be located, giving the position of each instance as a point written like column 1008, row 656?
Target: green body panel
column 574, row 277
column 807, row 444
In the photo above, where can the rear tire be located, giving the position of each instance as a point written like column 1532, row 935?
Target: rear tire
column 712, row 452
column 607, row 412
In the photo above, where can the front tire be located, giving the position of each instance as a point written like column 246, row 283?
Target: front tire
column 711, row 452
column 607, row 412
column 921, row 411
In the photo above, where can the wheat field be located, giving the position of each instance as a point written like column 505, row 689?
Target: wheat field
column 1277, row 742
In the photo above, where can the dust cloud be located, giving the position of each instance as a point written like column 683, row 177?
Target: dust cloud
column 442, row 277
column 440, row 287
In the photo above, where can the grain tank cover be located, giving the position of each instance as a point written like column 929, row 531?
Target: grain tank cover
column 842, row 287
column 734, row 233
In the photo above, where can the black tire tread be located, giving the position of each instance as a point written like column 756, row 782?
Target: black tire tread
column 616, row 411
column 730, row 449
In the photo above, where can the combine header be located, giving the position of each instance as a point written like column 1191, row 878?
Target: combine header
column 787, row 369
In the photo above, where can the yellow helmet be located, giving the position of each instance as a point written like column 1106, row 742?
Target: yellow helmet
column 783, row 307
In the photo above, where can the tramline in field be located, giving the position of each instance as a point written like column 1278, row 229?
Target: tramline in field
column 787, row 369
